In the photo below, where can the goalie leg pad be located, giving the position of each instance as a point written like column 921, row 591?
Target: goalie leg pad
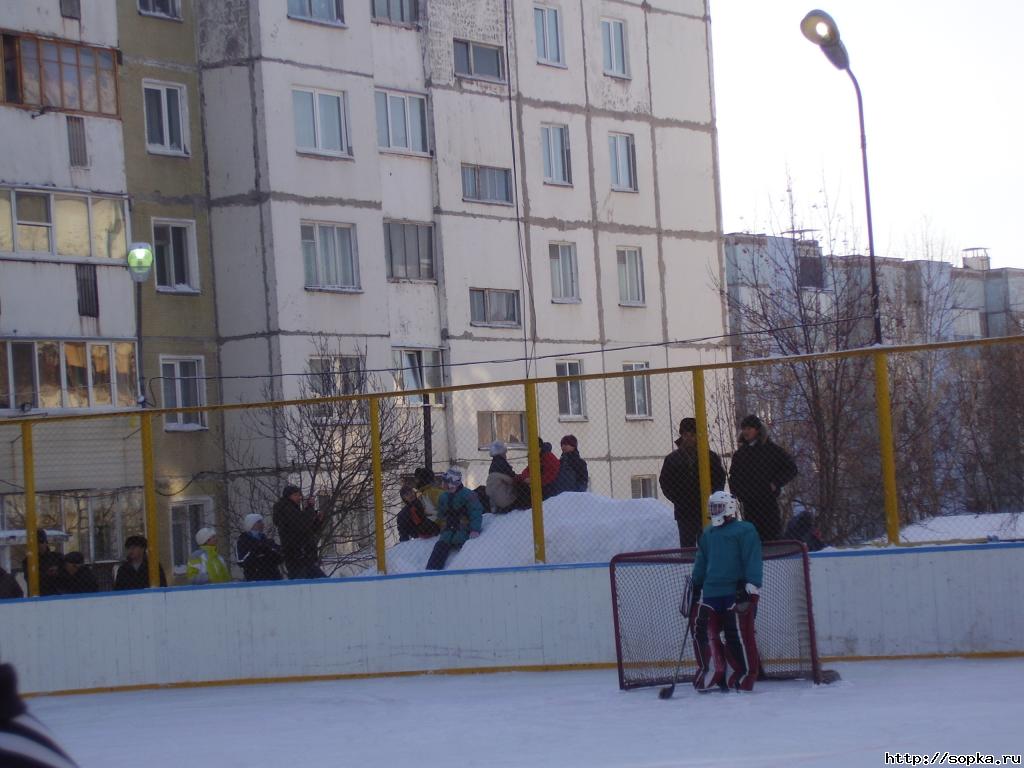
column 708, row 649
column 741, row 649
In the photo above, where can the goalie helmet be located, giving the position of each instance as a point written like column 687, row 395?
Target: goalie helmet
column 721, row 505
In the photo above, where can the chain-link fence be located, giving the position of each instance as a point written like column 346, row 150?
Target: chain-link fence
column 904, row 445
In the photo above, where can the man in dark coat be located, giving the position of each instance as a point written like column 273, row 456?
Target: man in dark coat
column 77, row 578
column 759, row 470
column 50, row 566
column 10, row 589
column 133, row 573
column 299, row 524
column 258, row 554
column 573, row 475
column 680, row 482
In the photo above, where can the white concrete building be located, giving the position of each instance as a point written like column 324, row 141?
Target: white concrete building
column 436, row 185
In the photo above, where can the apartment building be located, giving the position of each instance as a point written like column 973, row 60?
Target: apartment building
column 437, row 186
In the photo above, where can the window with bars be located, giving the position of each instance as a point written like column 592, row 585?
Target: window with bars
column 184, row 386
column 555, row 149
column 490, row 306
column 67, row 374
column 321, row 121
column 78, row 153
column 507, row 426
column 486, row 185
column 409, row 250
column 174, row 251
column 622, row 161
column 631, row 276
column 329, row 255
column 638, row 391
column 396, row 11
column 570, row 393
column 401, row 121
column 564, row 277
column 547, row 27
column 88, row 296
column 166, row 108
column 323, row 11
column 71, row 9
column 479, row 60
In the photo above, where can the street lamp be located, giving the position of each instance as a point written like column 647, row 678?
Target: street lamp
column 821, row 29
column 140, row 264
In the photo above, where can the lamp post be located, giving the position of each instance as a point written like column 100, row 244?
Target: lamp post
column 818, row 27
column 140, row 264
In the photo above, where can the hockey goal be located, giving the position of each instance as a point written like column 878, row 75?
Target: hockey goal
column 649, row 587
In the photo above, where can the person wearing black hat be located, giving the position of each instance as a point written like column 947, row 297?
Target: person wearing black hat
column 50, row 565
column 77, row 578
column 759, row 470
column 573, row 474
column 680, row 482
column 133, row 573
column 298, row 524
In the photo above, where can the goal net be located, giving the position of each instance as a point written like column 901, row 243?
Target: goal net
column 648, row 589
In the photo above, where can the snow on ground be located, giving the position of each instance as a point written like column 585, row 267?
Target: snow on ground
column 563, row 719
column 1006, row 526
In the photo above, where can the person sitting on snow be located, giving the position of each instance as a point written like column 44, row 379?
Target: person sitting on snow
column 412, row 520
column 461, row 515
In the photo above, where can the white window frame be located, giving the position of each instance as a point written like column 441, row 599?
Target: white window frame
column 558, row 254
column 629, row 263
column 622, row 162
column 544, row 39
column 488, row 293
column 179, row 560
column 551, row 149
column 392, row 145
column 174, row 7
column 183, row 119
column 181, row 422
column 470, row 59
column 478, row 172
column 401, row 5
column 644, row 482
column 318, row 149
column 566, row 388
column 423, row 374
column 337, row 21
column 191, row 285
column 638, row 384
column 493, row 429
column 335, row 379
column 320, row 284
column 610, row 63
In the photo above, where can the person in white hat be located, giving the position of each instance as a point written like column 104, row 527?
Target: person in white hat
column 206, row 566
column 258, row 554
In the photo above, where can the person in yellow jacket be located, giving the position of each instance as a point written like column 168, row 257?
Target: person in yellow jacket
column 206, row 566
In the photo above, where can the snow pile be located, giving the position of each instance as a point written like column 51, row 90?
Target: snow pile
column 994, row 526
column 578, row 528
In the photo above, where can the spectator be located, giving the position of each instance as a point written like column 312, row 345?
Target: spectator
column 206, row 566
column 412, row 520
column 258, row 554
column 50, row 566
column 801, row 528
column 504, row 489
column 9, row 586
column 24, row 741
column 133, row 573
column 759, row 470
column 77, row 578
column 549, row 467
column 680, row 482
column 462, row 518
column 428, row 490
column 299, row 525
column 572, row 469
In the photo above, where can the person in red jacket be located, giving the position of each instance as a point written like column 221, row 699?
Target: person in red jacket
column 549, row 466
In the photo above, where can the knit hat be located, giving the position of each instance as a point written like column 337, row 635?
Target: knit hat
column 570, row 440
column 498, row 448
column 423, row 476
column 289, row 490
column 453, row 476
column 405, row 490
column 203, row 535
column 688, row 424
column 136, row 541
column 75, row 558
column 250, row 521
column 751, row 421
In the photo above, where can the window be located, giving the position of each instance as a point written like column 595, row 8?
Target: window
column 88, row 295
column 478, row 60
column 401, row 121
column 333, row 375
column 417, row 369
column 507, row 426
column 6, row 227
column 638, row 391
column 564, row 279
column 169, row 8
column 166, row 118
column 46, row 73
column 34, row 223
column 486, row 185
column 409, row 250
column 555, row 148
column 324, row 11
column 328, row 253
column 174, row 251
column 548, row 30
column 183, row 387
column 187, row 517
column 62, row 224
column 570, row 393
column 78, row 155
column 321, row 122
column 622, row 157
column 811, row 274
column 631, row 276
column 71, row 9
column 613, row 45
column 67, row 374
column 396, row 11
column 488, row 306
column 644, row 487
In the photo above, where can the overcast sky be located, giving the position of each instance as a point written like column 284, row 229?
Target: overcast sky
column 943, row 87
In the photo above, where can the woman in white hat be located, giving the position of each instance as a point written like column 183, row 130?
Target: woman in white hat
column 206, row 566
column 258, row 554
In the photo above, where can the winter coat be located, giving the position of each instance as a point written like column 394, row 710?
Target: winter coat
column 801, row 528
column 260, row 557
column 206, row 566
column 572, row 474
column 413, row 522
column 680, row 482
column 49, row 561
column 9, row 586
column 430, row 495
column 299, row 528
column 500, row 464
column 82, row 582
column 130, row 577
column 728, row 558
column 758, row 465
column 459, row 513
column 501, row 490
column 549, row 468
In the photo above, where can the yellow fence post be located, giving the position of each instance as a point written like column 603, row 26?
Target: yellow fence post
column 378, row 484
column 533, row 452
column 31, row 523
column 884, row 408
column 149, row 494
column 703, row 460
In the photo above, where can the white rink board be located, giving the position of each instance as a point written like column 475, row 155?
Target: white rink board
column 892, row 602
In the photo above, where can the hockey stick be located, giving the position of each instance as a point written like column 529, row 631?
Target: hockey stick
column 684, row 609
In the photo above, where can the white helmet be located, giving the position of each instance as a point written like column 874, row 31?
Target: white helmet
column 721, row 505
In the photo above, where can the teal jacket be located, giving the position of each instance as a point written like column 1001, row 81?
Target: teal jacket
column 459, row 513
column 728, row 557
